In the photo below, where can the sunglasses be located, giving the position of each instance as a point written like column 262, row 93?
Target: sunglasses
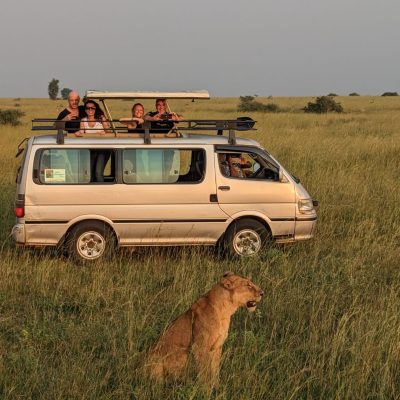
column 90, row 108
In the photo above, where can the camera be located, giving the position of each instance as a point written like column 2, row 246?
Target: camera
column 166, row 116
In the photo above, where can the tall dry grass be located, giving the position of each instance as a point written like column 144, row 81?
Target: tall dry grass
column 328, row 327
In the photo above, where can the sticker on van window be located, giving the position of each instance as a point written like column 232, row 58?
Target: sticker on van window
column 54, row 175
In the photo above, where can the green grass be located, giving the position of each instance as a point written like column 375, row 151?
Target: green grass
column 328, row 327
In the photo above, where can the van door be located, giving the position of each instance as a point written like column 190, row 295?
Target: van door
column 172, row 190
column 248, row 184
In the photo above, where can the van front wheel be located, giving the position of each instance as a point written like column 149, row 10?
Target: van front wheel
column 245, row 238
column 90, row 241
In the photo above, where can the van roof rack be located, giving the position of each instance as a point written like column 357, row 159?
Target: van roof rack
column 193, row 125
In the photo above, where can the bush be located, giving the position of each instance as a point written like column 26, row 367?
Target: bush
column 322, row 105
column 332, row 95
column 11, row 117
column 247, row 103
column 390, row 94
column 353, row 94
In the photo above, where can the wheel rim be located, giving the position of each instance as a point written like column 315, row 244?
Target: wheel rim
column 90, row 245
column 247, row 242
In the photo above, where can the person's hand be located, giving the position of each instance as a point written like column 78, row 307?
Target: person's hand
column 72, row 115
column 78, row 134
column 139, row 120
column 176, row 117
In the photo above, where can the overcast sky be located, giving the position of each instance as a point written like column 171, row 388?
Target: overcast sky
column 229, row 47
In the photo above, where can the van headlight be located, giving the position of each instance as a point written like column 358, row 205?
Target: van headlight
column 305, row 205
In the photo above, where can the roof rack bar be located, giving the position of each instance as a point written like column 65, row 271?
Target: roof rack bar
column 60, row 136
column 109, row 116
column 146, row 138
column 232, row 136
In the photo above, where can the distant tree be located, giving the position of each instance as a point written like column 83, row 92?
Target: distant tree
column 390, row 94
column 322, row 105
column 332, row 95
column 65, row 92
column 53, row 89
column 247, row 103
column 353, row 94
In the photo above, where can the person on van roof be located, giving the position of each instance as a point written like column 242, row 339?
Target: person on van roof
column 72, row 114
column 162, row 119
column 135, row 123
column 95, row 121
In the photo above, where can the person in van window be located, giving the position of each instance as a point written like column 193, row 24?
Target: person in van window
column 72, row 114
column 94, row 121
column 224, row 164
column 237, row 164
column 135, row 123
column 162, row 119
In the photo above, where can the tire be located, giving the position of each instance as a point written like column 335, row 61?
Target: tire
column 90, row 241
column 244, row 238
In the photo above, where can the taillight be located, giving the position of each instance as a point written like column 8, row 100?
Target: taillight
column 19, row 212
column 19, row 209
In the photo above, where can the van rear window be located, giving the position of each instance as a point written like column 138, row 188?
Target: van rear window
column 61, row 166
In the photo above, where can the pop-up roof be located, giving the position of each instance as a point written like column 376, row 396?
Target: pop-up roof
column 95, row 94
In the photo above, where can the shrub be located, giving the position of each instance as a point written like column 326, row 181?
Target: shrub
column 247, row 103
column 11, row 117
column 390, row 94
column 322, row 105
column 353, row 94
column 332, row 94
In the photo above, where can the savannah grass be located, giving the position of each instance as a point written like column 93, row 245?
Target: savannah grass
column 328, row 327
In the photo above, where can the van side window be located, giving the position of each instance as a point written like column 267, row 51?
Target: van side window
column 58, row 166
column 163, row 165
column 246, row 166
column 76, row 166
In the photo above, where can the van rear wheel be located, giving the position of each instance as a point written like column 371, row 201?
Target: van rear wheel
column 90, row 241
column 245, row 238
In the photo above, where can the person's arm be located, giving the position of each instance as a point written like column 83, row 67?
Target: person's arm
column 155, row 117
column 176, row 117
column 131, row 123
column 105, row 124
column 81, row 130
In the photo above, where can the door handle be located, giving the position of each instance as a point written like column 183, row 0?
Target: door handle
column 225, row 188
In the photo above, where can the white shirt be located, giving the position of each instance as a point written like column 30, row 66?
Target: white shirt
column 97, row 128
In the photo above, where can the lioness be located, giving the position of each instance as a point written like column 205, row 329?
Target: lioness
column 202, row 330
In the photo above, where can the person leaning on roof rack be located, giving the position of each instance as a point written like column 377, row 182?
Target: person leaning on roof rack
column 72, row 114
column 135, row 123
column 162, row 120
column 94, row 122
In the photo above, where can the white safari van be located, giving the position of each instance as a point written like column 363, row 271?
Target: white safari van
column 183, row 187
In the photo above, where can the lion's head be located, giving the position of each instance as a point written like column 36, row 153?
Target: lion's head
column 243, row 291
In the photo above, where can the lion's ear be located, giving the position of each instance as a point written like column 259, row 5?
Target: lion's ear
column 228, row 273
column 226, row 283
